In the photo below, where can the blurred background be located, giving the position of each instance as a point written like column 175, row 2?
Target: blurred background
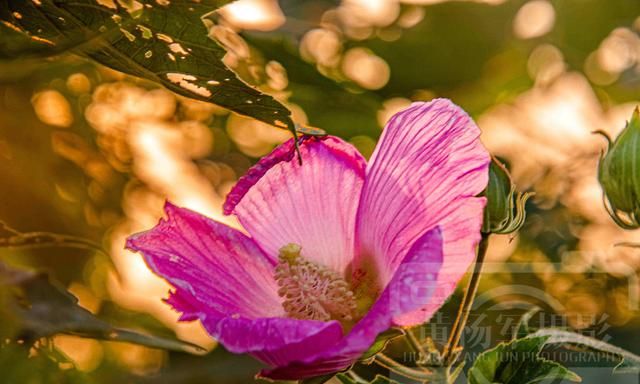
column 89, row 152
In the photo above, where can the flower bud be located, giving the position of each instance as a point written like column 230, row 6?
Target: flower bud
column 504, row 212
column 619, row 175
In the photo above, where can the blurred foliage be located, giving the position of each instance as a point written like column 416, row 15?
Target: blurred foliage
column 40, row 309
column 147, row 39
column 628, row 361
column 518, row 362
column 18, row 365
column 73, row 163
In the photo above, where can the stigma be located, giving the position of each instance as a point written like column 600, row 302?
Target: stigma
column 311, row 291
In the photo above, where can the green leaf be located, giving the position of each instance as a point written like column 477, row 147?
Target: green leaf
column 523, row 328
column 517, row 362
column 44, row 309
column 630, row 363
column 381, row 342
column 165, row 42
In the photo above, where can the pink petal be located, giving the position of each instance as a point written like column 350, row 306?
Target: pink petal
column 275, row 341
column 313, row 204
column 224, row 279
column 412, row 285
column 283, row 153
column 425, row 171
column 215, row 269
column 460, row 250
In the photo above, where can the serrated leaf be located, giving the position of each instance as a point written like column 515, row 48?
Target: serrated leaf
column 44, row 309
column 517, row 362
column 165, row 42
column 629, row 361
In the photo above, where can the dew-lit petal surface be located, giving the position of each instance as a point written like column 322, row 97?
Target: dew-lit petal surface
column 410, row 288
column 313, row 204
column 427, row 167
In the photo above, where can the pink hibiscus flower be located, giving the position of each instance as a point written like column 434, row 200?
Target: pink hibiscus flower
column 337, row 250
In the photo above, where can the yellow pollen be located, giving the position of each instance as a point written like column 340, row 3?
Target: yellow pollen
column 290, row 253
column 311, row 291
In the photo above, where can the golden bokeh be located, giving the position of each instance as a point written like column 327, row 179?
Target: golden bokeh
column 162, row 146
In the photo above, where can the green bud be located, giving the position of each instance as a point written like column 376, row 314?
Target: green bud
column 619, row 175
column 504, row 212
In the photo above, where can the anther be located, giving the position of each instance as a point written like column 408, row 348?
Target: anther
column 311, row 291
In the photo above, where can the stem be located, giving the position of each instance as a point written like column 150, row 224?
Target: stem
column 386, row 362
column 467, row 302
column 354, row 376
column 415, row 344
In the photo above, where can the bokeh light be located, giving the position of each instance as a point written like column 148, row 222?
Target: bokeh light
column 534, row 19
column 537, row 82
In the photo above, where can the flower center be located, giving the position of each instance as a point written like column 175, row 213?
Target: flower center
column 311, row 291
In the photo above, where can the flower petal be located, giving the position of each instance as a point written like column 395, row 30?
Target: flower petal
column 313, row 204
column 224, row 279
column 215, row 269
column 461, row 232
column 412, row 285
column 428, row 166
column 275, row 341
column 283, row 153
